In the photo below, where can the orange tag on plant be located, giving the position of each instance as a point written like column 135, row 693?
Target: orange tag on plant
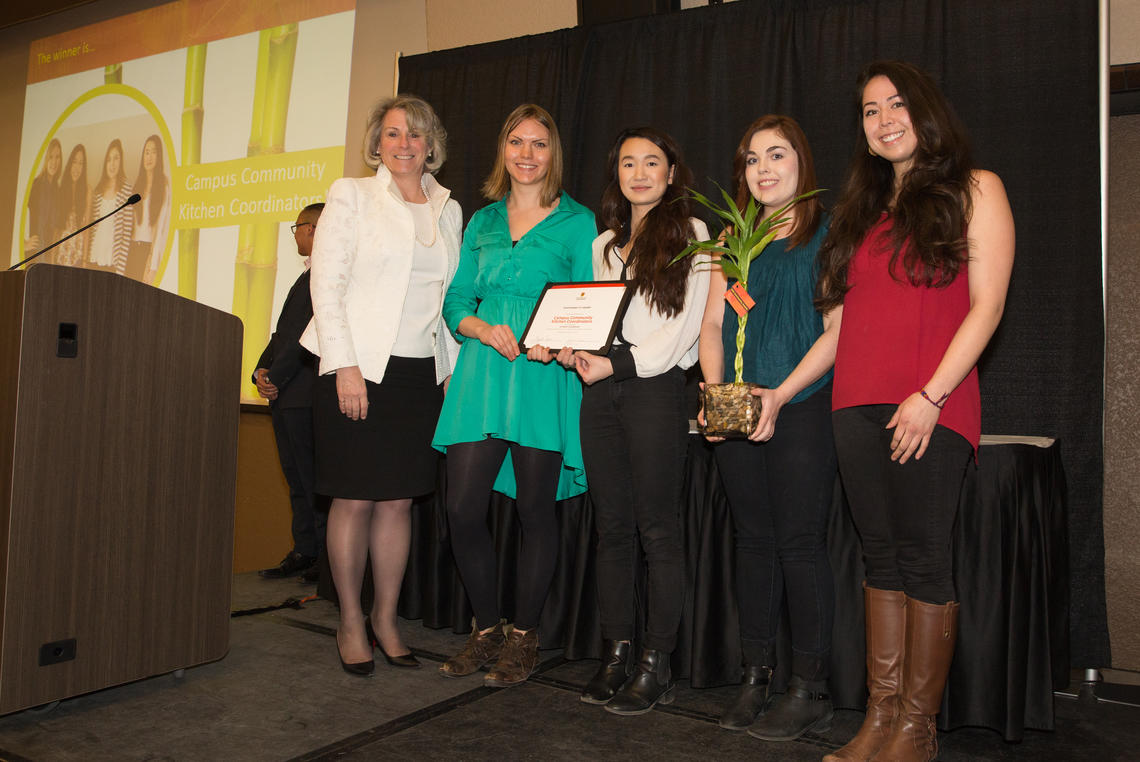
column 738, row 298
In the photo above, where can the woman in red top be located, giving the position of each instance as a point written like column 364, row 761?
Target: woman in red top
column 916, row 264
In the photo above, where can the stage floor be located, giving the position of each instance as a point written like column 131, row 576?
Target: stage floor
column 280, row 694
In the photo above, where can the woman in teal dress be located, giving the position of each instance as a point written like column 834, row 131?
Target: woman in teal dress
column 510, row 422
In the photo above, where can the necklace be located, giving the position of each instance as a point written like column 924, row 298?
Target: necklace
column 431, row 216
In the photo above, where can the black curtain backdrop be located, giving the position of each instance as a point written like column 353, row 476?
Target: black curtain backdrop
column 1021, row 73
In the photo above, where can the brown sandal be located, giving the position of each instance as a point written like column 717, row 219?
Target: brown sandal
column 480, row 649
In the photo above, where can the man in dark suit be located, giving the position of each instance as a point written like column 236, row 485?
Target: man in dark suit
column 284, row 376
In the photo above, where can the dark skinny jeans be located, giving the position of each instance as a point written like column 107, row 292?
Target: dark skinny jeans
column 904, row 513
column 780, row 493
column 634, row 444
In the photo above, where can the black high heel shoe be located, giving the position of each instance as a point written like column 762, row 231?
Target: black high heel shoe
column 357, row 668
column 403, row 660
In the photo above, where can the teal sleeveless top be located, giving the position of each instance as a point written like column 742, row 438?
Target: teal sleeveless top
column 784, row 323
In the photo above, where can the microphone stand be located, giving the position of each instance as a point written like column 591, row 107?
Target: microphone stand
column 132, row 200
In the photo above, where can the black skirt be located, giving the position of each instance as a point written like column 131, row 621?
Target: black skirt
column 388, row 455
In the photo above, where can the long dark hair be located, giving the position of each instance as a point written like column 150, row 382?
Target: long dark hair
column 664, row 232
column 121, row 178
column 75, row 191
column 157, row 190
column 54, row 145
column 807, row 212
column 933, row 203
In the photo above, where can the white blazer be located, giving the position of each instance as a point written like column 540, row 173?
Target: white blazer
column 362, row 265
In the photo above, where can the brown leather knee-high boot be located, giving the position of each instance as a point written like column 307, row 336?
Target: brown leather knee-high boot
column 930, row 634
column 886, row 629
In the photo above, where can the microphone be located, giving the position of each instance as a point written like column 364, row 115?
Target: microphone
column 134, row 199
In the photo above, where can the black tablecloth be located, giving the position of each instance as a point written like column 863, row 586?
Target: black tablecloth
column 1011, row 574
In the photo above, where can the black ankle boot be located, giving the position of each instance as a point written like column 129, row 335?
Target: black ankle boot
column 650, row 683
column 612, row 673
column 806, row 706
column 749, row 701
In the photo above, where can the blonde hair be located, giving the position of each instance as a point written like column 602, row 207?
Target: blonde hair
column 421, row 118
column 498, row 183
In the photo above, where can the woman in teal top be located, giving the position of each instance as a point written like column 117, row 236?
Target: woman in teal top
column 783, row 325
column 779, row 481
column 510, row 423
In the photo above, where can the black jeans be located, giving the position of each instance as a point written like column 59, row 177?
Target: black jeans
column 634, row 444
column 904, row 513
column 780, row 494
column 471, row 471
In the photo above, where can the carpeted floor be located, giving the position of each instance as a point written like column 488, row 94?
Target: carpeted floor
column 280, row 694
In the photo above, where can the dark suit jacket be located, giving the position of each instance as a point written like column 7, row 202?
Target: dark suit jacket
column 292, row 368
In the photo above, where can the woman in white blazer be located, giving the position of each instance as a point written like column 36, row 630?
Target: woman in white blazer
column 383, row 257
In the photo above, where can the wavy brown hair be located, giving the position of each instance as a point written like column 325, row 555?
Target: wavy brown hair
column 665, row 230
column 157, row 189
column 933, row 204
column 808, row 212
column 76, row 192
column 115, row 184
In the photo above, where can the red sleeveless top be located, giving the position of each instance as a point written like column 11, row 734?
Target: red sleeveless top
column 894, row 334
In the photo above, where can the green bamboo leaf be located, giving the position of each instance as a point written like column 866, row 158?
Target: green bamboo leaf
column 694, row 247
column 733, row 209
column 755, row 238
column 731, row 271
column 750, row 213
column 700, row 197
column 690, row 249
column 710, row 205
column 758, row 249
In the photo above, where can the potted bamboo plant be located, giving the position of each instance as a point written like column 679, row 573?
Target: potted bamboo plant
column 731, row 410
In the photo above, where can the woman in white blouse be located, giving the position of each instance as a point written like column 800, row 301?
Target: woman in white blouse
column 152, row 214
column 111, row 242
column 634, row 425
column 384, row 254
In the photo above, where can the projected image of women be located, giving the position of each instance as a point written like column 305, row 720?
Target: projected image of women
column 75, row 208
column 112, row 238
column 43, row 202
column 151, row 215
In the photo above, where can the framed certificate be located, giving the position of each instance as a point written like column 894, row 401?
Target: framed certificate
column 582, row 316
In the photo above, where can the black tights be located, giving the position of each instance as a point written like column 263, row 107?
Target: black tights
column 471, row 471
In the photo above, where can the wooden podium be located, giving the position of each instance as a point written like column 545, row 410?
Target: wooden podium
column 118, row 457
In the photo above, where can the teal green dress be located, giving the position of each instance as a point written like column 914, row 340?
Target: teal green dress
column 530, row 403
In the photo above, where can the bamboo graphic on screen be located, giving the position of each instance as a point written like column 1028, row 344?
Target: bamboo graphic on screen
column 113, row 74
column 193, row 113
column 253, row 148
column 255, row 269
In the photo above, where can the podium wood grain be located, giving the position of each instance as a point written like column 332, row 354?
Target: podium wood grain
column 118, row 477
